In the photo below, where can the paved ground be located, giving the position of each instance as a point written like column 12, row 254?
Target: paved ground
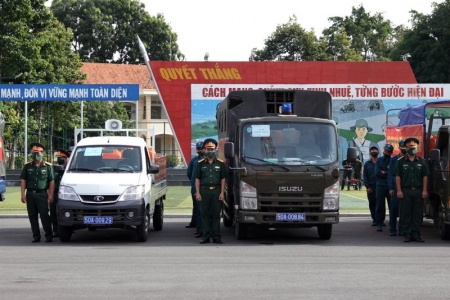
column 357, row 263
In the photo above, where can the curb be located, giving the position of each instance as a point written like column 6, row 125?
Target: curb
column 184, row 216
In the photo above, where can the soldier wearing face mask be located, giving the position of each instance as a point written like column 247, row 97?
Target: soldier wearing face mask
column 382, row 191
column 210, row 175
column 394, row 211
column 61, row 159
column 37, row 178
column 412, row 187
column 370, row 182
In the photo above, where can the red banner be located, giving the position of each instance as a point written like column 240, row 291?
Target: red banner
column 396, row 133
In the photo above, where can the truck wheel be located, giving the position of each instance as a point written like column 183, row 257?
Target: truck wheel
column 324, row 231
column 444, row 230
column 241, row 231
column 65, row 233
column 142, row 230
column 158, row 217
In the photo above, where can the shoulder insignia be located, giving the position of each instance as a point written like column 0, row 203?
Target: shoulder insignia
column 400, row 157
column 29, row 163
column 47, row 163
column 201, row 160
column 220, row 160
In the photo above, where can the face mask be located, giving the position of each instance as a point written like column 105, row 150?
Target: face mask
column 211, row 154
column 36, row 157
column 374, row 154
column 411, row 151
column 403, row 151
column 386, row 155
column 61, row 161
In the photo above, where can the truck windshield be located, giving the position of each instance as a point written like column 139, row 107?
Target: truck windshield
column 106, row 159
column 290, row 143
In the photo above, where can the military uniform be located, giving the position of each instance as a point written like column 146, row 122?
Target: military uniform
column 59, row 172
column 36, row 180
column 210, row 176
column 411, row 175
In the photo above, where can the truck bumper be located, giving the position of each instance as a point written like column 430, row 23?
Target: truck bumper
column 311, row 219
column 71, row 213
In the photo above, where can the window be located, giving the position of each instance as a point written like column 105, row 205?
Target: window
column 144, row 113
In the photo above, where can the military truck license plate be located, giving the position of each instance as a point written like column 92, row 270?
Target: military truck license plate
column 290, row 217
column 98, row 220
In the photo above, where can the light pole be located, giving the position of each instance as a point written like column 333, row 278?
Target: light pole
column 206, row 56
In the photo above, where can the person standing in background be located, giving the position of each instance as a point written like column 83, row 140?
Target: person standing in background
column 382, row 191
column 395, row 209
column 358, row 169
column 61, row 159
column 196, row 217
column 348, row 169
column 370, row 182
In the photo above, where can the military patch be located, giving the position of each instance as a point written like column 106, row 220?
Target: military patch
column 220, row 160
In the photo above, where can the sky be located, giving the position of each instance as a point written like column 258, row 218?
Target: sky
column 229, row 30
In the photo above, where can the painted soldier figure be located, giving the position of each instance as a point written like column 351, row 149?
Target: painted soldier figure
column 37, row 178
column 210, row 175
column 412, row 187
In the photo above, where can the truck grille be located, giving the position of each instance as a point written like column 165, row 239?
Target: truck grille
column 302, row 203
column 98, row 199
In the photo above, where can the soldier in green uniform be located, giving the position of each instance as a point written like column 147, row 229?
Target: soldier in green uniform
column 412, row 183
column 210, row 175
column 62, row 157
column 37, row 178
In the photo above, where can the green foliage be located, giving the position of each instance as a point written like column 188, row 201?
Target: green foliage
column 172, row 160
column 291, row 42
column 369, row 35
column 105, row 30
column 428, row 43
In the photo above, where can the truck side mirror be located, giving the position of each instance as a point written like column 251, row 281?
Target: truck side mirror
column 228, row 149
column 351, row 154
column 435, row 155
column 153, row 170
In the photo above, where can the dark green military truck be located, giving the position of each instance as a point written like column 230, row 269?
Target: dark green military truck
column 281, row 151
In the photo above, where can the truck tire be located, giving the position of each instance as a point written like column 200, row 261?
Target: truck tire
column 241, row 231
column 142, row 230
column 324, row 231
column 444, row 230
column 158, row 217
column 65, row 233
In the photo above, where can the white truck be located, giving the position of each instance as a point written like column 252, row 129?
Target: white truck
column 112, row 182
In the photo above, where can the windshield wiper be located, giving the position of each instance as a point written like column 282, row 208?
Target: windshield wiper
column 84, row 169
column 305, row 163
column 266, row 161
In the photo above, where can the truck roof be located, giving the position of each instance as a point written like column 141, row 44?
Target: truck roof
column 113, row 140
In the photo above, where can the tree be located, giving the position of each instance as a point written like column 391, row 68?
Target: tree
column 370, row 35
column 106, row 30
column 339, row 47
column 428, row 43
column 36, row 46
column 291, row 42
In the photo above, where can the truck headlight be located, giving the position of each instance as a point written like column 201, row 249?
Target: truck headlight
column 248, row 196
column 331, row 197
column 133, row 193
column 67, row 193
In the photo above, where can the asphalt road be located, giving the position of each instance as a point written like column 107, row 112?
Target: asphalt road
column 357, row 263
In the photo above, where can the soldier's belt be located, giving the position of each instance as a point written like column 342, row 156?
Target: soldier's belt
column 412, row 187
column 210, row 187
column 36, row 191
